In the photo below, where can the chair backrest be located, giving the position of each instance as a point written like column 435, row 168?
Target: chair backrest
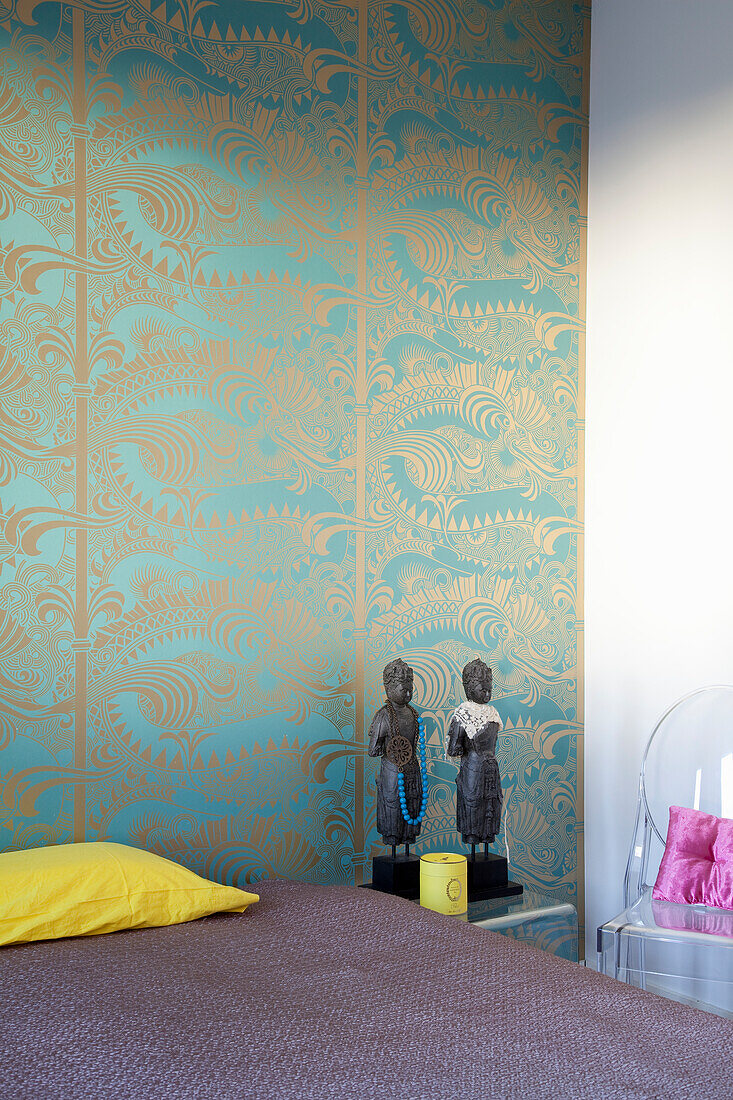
column 688, row 761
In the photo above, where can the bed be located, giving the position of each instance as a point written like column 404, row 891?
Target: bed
column 321, row 992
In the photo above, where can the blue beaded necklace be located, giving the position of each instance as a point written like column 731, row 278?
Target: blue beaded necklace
column 423, row 773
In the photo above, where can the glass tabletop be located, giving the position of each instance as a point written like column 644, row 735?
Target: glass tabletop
column 530, row 905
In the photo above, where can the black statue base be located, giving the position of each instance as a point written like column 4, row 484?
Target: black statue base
column 509, row 890
column 488, row 877
column 399, row 875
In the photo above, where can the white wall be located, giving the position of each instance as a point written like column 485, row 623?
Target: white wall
column 659, row 473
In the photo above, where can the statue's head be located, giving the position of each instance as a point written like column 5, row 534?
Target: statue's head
column 398, row 680
column 477, row 681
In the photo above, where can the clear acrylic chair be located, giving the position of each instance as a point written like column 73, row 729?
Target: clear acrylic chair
column 681, row 951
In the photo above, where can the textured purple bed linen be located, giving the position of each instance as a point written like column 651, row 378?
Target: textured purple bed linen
column 321, row 992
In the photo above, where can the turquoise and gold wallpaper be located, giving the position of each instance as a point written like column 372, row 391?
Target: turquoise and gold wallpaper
column 291, row 322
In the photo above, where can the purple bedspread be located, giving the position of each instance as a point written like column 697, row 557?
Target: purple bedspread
column 336, row 992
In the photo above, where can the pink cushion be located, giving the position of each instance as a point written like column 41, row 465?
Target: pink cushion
column 697, row 865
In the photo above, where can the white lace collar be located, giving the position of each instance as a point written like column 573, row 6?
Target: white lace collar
column 476, row 716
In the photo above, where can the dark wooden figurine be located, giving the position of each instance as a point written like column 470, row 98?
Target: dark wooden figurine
column 393, row 735
column 472, row 735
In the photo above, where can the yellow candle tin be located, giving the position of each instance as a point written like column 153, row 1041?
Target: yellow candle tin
column 443, row 885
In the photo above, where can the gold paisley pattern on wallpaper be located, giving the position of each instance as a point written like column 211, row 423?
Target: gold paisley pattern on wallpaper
column 290, row 370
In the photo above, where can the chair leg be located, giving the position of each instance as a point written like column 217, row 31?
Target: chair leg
column 617, row 957
column 642, row 965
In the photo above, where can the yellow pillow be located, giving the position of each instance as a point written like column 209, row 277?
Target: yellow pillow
column 85, row 889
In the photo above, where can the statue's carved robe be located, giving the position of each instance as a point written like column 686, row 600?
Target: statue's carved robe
column 472, row 736
column 390, row 822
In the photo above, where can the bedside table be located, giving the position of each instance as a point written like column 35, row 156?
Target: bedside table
column 533, row 918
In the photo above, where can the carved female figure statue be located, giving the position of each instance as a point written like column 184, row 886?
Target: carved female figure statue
column 472, row 735
column 393, row 735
